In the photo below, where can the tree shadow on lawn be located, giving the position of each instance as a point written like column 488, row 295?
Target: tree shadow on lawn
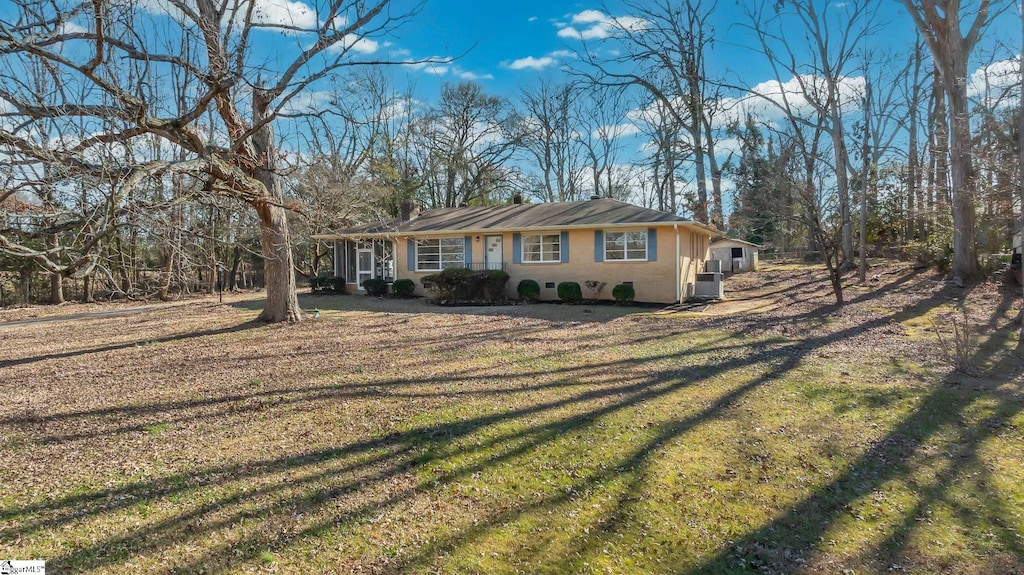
column 83, row 353
column 963, row 419
column 344, row 489
column 551, row 311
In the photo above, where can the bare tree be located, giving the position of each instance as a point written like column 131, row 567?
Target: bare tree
column 548, row 127
column 110, row 52
column 465, row 141
column 820, row 74
column 939, row 22
column 601, row 112
column 663, row 53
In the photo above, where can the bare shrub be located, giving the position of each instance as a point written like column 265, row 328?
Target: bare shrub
column 956, row 339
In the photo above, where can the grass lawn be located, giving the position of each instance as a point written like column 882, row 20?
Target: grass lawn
column 400, row 437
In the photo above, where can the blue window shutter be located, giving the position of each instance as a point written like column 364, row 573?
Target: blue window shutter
column 564, row 244
column 410, row 247
column 517, row 248
column 652, row 244
column 468, row 244
column 598, row 246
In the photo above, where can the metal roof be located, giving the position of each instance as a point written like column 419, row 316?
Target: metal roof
column 734, row 240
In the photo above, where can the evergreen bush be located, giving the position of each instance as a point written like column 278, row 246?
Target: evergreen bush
column 403, row 288
column 528, row 290
column 623, row 293
column 570, row 292
column 375, row 287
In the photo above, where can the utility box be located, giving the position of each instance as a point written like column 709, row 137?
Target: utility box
column 709, row 286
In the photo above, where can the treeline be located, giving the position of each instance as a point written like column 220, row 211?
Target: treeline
column 157, row 163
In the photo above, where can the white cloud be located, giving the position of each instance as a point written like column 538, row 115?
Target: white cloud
column 283, row 14
column 769, row 100
column 280, row 13
column 355, row 43
column 996, row 81
column 614, row 131
column 71, row 28
column 442, row 66
column 431, row 63
column 400, row 108
column 531, row 19
column 471, row 76
column 532, row 63
column 596, row 25
column 308, row 101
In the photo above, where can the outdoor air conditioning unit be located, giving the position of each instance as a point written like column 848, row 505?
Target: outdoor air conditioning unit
column 713, row 266
column 709, row 286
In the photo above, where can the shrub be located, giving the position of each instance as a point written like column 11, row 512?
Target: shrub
column 462, row 285
column 336, row 284
column 333, row 284
column 623, row 293
column 960, row 343
column 570, row 292
column 595, row 288
column 491, row 284
column 375, row 287
column 403, row 288
column 528, row 290
column 451, row 284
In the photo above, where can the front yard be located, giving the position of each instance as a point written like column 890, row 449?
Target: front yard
column 534, row 439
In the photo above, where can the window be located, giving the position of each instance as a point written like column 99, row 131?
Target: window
column 737, row 252
column 625, row 246
column 542, row 248
column 439, row 254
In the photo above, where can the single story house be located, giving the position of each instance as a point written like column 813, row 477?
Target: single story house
column 600, row 240
column 736, row 255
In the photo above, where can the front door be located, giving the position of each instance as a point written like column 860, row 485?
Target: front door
column 364, row 266
column 492, row 252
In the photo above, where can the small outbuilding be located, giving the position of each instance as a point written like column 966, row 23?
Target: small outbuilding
column 736, row 255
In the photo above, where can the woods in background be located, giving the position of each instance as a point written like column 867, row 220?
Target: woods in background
column 158, row 159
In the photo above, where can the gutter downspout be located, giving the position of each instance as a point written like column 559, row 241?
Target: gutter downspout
column 679, row 298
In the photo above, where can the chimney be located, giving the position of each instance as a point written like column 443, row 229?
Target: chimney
column 408, row 210
column 517, row 199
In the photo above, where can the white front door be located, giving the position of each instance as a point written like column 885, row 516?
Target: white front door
column 492, row 252
column 364, row 266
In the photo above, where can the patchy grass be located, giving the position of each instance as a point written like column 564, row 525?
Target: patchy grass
column 541, row 439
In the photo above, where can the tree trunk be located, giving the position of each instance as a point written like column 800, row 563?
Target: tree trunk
column 865, row 178
column 87, row 296
column 26, row 285
column 965, row 259
column 279, row 275
column 236, row 260
column 717, row 210
column 56, row 277
column 1020, row 164
column 914, row 207
column 697, row 133
column 843, row 190
column 56, row 288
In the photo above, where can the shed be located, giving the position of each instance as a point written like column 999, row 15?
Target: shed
column 736, row 255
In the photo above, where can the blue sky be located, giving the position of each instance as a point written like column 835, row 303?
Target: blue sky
column 507, row 45
column 501, row 36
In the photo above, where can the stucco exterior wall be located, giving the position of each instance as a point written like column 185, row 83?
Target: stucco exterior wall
column 722, row 250
column 654, row 281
